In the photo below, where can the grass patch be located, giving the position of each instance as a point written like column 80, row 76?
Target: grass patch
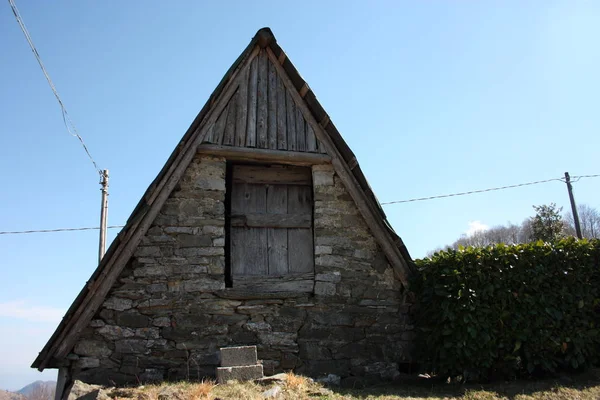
column 296, row 387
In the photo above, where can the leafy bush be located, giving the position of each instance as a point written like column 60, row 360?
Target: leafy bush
column 509, row 310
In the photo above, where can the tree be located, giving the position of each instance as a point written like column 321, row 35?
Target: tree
column 547, row 224
column 589, row 221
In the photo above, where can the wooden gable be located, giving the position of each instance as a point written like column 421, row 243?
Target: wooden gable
column 262, row 114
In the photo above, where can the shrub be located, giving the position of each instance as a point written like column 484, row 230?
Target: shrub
column 509, row 310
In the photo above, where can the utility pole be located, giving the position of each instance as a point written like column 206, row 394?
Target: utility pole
column 573, row 206
column 103, row 213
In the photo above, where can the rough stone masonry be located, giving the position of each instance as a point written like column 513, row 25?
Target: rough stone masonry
column 169, row 312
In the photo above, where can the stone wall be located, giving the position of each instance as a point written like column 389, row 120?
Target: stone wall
column 170, row 312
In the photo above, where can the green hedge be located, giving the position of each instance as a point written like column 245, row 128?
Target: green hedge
column 509, row 311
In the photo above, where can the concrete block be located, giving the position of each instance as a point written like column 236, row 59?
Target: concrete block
column 238, row 356
column 245, row 373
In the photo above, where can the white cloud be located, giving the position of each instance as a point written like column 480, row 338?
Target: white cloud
column 476, row 226
column 21, row 309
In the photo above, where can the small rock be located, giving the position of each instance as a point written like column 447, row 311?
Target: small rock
column 83, row 391
column 170, row 393
column 267, row 380
column 330, row 380
column 272, row 393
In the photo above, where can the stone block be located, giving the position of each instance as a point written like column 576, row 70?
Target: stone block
column 157, row 288
column 162, row 321
column 87, row 362
column 130, row 346
column 201, row 251
column 334, row 277
column 92, row 348
column 154, row 270
column 97, row 323
column 322, row 178
column 152, row 375
column 147, row 333
column 203, row 285
column 213, row 230
column 114, row 332
column 258, row 327
column 132, row 320
column 246, row 373
column 147, row 251
column 323, row 250
column 324, row 288
column 185, row 240
column 115, row 303
column 279, row 339
column 238, row 356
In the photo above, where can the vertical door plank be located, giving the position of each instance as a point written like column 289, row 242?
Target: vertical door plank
column 230, row 123
column 281, row 116
column 238, row 235
column 237, row 251
column 300, row 241
column 256, row 262
column 291, row 122
column 272, row 107
column 242, row 110
column 311, row 140
column 248, row 245
column 220, row 126
column 277, row 238
column 261, row 112
column 252, row 94
column 300, row 131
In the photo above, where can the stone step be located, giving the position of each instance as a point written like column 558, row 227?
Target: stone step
column 245, row 373
column 238, row 356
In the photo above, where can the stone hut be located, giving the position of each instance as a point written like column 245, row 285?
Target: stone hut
column 259, row 230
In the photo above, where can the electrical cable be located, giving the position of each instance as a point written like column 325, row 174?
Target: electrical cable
column 59, row 230
column 389, row 202
column 65, row 115
column 487, row 190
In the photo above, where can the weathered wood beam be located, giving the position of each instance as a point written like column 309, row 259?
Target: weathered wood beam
column 373, row 220
column 272, row 175
column 252, row 294
column 64, row 383
column 264, row 155
column 272, row 220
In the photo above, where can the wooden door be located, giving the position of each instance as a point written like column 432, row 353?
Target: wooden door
column 271, row 247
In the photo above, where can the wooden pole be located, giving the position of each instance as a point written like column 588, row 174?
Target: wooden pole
column 63, row 384
column 573, row 206
column 103, row 214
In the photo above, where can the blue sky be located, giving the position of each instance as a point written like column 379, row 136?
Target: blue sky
column 434, row 97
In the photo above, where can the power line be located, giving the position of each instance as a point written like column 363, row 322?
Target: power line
column 487, row 190
column 66, row 119
column 59, row 230
column 578, row 177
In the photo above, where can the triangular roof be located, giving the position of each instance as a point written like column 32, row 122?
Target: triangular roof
column 329, row 140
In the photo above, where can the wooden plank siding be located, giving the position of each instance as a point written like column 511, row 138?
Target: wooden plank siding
column 262, row 114
column 271, row 225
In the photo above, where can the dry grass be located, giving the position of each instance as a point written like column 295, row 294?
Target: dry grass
column 295, row 382
column 202, row 390
column 297, row 387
